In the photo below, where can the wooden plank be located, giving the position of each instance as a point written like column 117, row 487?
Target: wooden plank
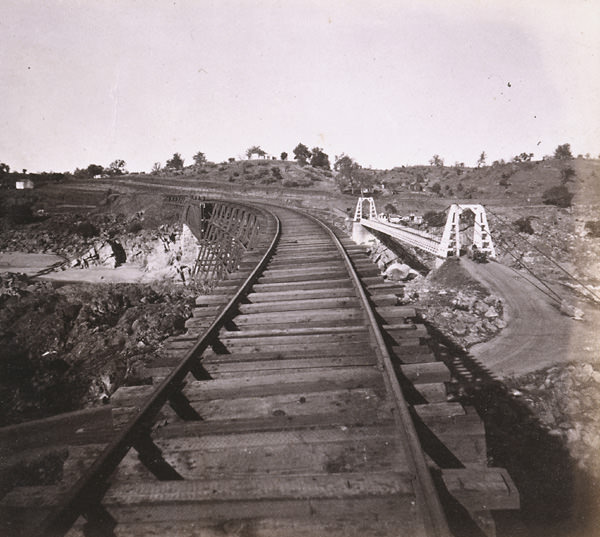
column 413, row 354
column 356, row 418
column 301, row 341
column 365, row 402
column 315, row 348
column 366, row 522
column 303, row 304
column 425, row 373
column 432, row 392
column 322, row 268
column 318, row 275
column 384, row 299
column 274, row 452
column 301, row 260
column 482, row 489
column 76, row 427
column 255, row 298
column 331, row 320
column 299, row 316
column 216, row 299
column 327, row 283
column 342, row 350
column 293, row 365
column 357, row 485
column 466, row 424
column 439, row 410
column 395, row 312
column 268, row 331
column 268, row 384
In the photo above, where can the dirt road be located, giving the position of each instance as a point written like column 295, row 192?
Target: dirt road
column 537, row 335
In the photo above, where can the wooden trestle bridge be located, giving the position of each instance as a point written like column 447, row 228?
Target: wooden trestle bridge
column 302, row 401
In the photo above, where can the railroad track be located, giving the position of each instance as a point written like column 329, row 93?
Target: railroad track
column 302, row 401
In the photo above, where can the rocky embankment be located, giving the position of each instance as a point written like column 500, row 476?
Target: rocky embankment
column 448, row 298
column 104, row 240
column 67, row 347
column 563, row 399
column 566, row 400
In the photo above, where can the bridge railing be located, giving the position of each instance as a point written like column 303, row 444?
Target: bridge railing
column 224, row 231
column 408, row 235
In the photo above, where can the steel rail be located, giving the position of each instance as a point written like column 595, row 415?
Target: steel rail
column 434, row 519
column 86, row 494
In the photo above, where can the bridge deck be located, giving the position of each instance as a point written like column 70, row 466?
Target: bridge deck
column 409, row 235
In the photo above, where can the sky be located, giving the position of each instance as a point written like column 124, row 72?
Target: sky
column 388, row 83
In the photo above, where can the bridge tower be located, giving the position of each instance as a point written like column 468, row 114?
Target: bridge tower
column 359, row 213
column 360, row 234
column 482, row 239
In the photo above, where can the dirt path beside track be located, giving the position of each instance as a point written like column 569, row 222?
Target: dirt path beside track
column 537, row 334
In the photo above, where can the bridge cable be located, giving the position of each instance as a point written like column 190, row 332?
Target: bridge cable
column 549, row 258
column 550, row 294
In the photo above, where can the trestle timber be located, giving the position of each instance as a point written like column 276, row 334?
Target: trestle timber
column 308, row 419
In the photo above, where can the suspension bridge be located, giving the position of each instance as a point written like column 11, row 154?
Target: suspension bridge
column 449, row 244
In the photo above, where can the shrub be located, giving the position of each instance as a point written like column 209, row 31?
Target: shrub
column 567, row 174
column 593, row 228
column 236, row 174
column 267, row 180
column 290, row 183
column 557, row 195
column 87, row 230
column 435, row 219
column 436, row 188
column 21, row 213
column 135, row 226
column 277, row 173
column 523, row 225
column 480, row 257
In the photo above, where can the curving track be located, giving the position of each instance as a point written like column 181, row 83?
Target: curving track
column 295, row 423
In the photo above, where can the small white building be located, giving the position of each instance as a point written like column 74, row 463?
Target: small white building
column 25, row 184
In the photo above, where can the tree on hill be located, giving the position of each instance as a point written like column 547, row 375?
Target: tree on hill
column 255, row 150
column 319, row 159
column 4, row 169
column 284, row 156
column 351, row 175
column 481, row 159
column 156, row 167
column 558, row 195
column 117, row 167
column 563, row 152
column 175, row 163
column 523, row 157
column 302, row 154
column 436, row 160
column 199, row 159
column 94, row 169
